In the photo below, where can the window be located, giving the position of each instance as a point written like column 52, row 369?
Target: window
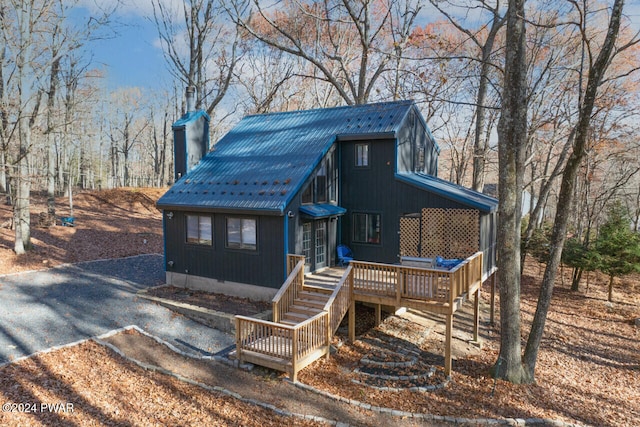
column 306, row 242
column 199, row 230
column 321, row 184
column 241, row 233
column 362, row 155
column 366, row 228
column 322, row 187
column 307, row 195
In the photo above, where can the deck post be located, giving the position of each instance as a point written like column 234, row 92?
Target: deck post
column 294, row 355
column 328, row 317
column 476, row 314
column 447, row 349
column 238, row 341
column 352, row 320
column 378, row 314
column 400, row 285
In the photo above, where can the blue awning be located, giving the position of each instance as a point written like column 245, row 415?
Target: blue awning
column 322, row 210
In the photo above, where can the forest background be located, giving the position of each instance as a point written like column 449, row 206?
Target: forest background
column 62, row 129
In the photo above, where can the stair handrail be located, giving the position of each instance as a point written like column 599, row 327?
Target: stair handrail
column 338, row 303
column 288, row 292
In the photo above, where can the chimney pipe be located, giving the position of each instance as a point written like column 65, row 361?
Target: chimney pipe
column 191, row 99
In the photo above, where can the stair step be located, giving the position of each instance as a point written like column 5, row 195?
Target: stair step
column 288, row 322
column 311, row 311
column 299, row 317
column 321, row 288
column 300, row 302
column 315, row 296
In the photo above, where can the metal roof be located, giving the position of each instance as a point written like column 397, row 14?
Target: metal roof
column 188, row 117
column 263, row 161
column 451, row 191
column 322, row 210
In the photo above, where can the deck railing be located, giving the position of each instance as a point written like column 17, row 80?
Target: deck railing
column 286, row 346
column 339, row 301
column 291, row 348
column 292, row 261
column 426, row 284
column 288, row 292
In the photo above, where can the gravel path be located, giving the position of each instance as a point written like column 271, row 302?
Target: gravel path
column 47, row 308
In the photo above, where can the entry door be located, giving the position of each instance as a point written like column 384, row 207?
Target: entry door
column 307, row 245
column 320, row 244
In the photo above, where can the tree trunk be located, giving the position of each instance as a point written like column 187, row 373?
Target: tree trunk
column 596, row 73
column 610, row 298
column 512, row 139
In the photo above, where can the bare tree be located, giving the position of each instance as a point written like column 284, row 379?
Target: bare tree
column 211, row 54
column 350, row 44
column 484, row 39
column 598, row 65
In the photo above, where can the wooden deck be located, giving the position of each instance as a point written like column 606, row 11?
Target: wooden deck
column 308, row 310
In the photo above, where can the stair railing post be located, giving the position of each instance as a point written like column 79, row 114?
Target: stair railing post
column 294, row 354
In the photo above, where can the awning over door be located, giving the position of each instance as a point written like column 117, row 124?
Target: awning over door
column 321, row 210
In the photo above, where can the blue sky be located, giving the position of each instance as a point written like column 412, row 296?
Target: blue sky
column 131, row 56
column 134, row 58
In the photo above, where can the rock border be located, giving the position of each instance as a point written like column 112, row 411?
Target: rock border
column 518, row 422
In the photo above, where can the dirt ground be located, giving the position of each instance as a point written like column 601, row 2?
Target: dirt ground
column 588, row 370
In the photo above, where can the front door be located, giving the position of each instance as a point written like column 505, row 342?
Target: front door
column 307, row 245
column 320, row 244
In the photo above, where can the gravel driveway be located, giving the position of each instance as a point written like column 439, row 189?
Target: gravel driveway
column 61, row 305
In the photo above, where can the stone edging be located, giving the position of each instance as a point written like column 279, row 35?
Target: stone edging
column 437, row 418
column 393, row 412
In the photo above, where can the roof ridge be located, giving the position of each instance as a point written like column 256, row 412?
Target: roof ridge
column 339, row 107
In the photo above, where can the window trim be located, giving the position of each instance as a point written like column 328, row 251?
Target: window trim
column 199, row 240
column 241, row 245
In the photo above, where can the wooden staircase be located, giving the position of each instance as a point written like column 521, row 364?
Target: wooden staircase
column 307, row 304
column 305, row 317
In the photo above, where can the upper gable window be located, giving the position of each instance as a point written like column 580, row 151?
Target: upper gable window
column 199, row 230
column 362, row 155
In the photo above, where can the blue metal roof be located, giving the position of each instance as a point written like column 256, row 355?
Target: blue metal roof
column 322, row 210
column 188, row 117
column 451, row 191
column 263, row 161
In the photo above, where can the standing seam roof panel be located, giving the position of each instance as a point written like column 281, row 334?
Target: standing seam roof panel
column 262, row 162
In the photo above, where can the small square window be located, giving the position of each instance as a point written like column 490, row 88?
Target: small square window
column 366, row 228
column 362, row 155
column 241, row 233
column 199, row 230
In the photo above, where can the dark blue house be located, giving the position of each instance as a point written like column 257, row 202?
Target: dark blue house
column 303, row 182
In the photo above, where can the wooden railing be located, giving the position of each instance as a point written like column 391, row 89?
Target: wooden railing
column 287, row 348
column 292, row 261
column 426, row 284
column 291, row 348
column 339, row 301
column 288, row 292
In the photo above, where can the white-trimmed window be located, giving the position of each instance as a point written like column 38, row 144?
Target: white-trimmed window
column 241, row 233
column 199, row 230
column 366, row 228
column 362, row 155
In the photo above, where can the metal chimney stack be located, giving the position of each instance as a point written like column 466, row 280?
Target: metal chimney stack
column 191, row 99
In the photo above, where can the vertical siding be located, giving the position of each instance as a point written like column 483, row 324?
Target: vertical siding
column 375, row 190
column 262, row 267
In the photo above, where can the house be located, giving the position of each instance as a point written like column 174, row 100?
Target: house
column 303, row 182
